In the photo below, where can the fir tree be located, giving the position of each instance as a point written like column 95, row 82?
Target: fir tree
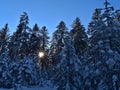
column 28, row 72
column 102, row 66
column 95, row 26
column 79, row 37
column 39, row 44
column 57, row 41
column 35, row 40
column 65, row 77
column 44, row 48
column 5, row 76
column 18, row 45
column 24, row 66
column 4, row 37
column 45, row 39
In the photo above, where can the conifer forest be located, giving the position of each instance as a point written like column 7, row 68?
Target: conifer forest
column 71, row 59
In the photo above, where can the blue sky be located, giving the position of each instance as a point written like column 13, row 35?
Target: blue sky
column 49, row 12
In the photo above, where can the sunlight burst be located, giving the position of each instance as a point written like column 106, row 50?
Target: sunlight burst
column 41, row 54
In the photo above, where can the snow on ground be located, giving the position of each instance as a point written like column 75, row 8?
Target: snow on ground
column 30, row 88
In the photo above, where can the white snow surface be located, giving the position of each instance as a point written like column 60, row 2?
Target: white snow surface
column 30, row 88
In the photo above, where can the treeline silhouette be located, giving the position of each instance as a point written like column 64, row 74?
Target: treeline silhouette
column 75, row 59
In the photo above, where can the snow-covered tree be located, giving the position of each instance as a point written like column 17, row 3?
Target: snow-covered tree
column 57, row 41
column 67, row 65
column 79, row 37
column 95, row 26
column 4, row 37
column 102, row 67
column 107, row 13
column 45, row 39
column 35, row 40
column 29, row 72
column 39, row 42
column 25, row 72
column 44, row 47
column 23, row 50
column 103, row 60
column 18, row 45
column 5, row 76
column 56, row 46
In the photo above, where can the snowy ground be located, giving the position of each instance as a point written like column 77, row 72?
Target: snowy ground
column 30, row 88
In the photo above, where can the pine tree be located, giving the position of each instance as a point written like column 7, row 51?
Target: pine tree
column 45, row 39
column 28, row 72
column 57, row 41
column 96, row 26
column 65, row 77
column 24, row 66
column 39, row 45
column 102, row 67
column 4, row 37
column 56, row 46
column 79, row 37
column 44, row 47
column 5, row 77
column 35, row 40
column 18, row 45
column 107, row 14
column 39, row 42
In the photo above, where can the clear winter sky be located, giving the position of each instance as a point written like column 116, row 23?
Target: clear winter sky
column 49, row 12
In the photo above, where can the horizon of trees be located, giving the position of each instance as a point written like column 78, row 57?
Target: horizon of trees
column 73, row 59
